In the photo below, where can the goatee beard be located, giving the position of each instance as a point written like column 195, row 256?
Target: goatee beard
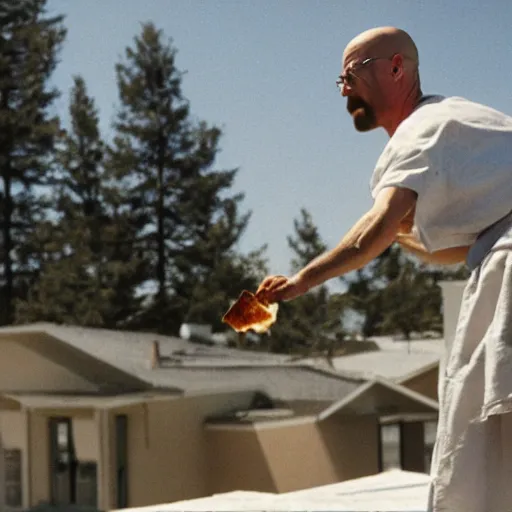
column 362, row 114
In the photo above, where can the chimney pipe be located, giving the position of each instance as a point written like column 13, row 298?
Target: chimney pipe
column 155, row 355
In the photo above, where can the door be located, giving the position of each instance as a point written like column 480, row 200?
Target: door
column 63, row 463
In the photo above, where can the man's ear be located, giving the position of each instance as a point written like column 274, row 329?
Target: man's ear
column 397, row 63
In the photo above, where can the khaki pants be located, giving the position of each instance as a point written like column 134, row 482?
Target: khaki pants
column 472, row 460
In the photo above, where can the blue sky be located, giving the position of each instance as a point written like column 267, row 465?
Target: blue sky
column 264, row 71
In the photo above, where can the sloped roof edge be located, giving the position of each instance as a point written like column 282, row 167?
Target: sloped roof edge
column 367, row 388
column 103, row 366
column 418, row 372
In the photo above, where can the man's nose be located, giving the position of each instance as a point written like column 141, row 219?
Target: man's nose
column 345, row 89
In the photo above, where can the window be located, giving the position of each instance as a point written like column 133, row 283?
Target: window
column 430, row 439
column 407, row 445
column 122, row 460
column 13, row 485
column 390, row 443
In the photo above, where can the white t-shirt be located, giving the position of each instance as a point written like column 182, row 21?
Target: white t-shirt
column 457, row 156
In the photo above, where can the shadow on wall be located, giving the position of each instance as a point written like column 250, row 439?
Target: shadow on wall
column 288, row 456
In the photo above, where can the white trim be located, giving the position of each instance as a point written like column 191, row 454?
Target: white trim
column 221, row 391
column 413, row 395
column 30, row 401
column 398, row 388
column 229, row 426
column 294, row 422
column 345, row 401
column 263, row 425
column 408, row 418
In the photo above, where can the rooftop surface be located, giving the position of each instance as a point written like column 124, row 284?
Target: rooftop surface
column 390, row 491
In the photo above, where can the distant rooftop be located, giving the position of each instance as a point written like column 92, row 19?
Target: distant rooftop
column 281, row 381
column 193, row 367
column 394, row 359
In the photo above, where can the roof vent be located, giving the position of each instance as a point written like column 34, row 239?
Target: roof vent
column 155, row 355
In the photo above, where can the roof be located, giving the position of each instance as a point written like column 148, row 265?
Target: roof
column 394, row 360
column 187, row 366
column 377, row 397
column 194, row 368
column 393, row 365
column 431, row 345
column 59, row 401
column 281, row 382
column 130, row 352
column 384, row 398
column 390, row 491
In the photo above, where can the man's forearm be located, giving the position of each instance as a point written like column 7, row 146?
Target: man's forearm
column 369, row 237
column 449, row 256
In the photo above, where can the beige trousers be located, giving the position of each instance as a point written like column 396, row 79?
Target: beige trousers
column 472, row 460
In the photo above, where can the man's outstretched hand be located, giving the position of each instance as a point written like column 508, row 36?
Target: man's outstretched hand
column 280, row 288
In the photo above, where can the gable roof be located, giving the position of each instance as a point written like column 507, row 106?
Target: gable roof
column 383, row 398
column 280, row 382
column 106, row 377
column 187, row 367
column 192, row 368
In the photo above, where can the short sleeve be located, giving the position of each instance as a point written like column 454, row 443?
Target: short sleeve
column 411, row 159
column 456, row 156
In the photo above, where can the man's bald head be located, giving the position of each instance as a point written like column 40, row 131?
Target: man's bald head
column 383, row 42
column 380, row 77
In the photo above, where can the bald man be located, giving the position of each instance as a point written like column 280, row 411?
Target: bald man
column 442, row 188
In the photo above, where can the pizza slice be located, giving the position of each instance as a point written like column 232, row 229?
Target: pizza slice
column 248, row 313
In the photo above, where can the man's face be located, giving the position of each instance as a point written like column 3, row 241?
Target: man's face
column 362, row 113
column 361, row 87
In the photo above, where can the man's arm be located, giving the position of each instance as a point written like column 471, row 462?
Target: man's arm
column 449, row 256
column 369, row 237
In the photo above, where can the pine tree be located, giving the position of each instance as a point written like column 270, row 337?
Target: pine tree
column 84, row 255
column 29, row 45
column 410, row 299
column 310, row 323
column 306, row 243
column 397, row 294
column 208, row 271
column 187, row 222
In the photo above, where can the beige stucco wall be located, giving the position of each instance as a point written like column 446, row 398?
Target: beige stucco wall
column 13, row 433
column 13, row 429
column 167, row 447
column 39, row 452
column 425, row 383
column 286, row 456
column 29, row 431
column 22, row 369
column 353, row 442
column 85, row 435
column 237, row 460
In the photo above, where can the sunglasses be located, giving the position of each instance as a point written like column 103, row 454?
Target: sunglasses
column 349, row 77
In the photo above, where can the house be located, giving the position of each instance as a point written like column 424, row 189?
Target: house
column 111, row 419
column 389, row 491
